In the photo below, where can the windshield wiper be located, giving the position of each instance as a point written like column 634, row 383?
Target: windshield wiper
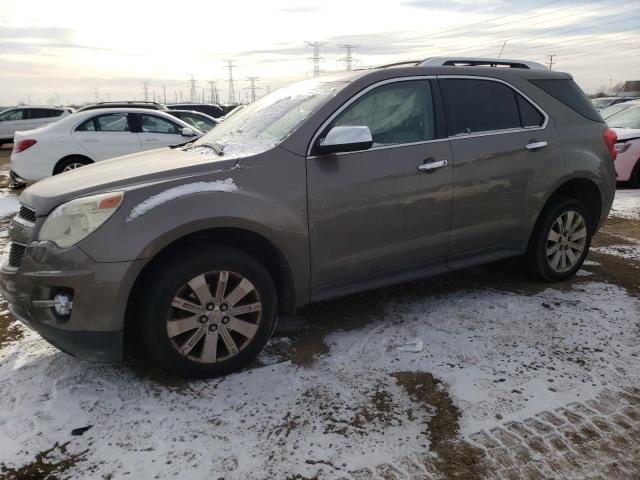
column 216, row 147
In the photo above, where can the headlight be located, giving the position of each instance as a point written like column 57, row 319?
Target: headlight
column 72, row 221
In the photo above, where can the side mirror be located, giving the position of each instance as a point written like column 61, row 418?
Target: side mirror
column 346, row 139
column 187, row 132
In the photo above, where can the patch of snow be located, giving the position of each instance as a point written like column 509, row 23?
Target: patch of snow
column 9, row 205
column 630, row 252
column 626, row 204
column 583, row 273
column 414, row 346
column 227, row 185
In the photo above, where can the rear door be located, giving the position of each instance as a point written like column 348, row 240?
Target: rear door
column 36, row 117
column 107, row 135
column 506, row 155
column 375, row 216
column 10, row 122
column 157, row 132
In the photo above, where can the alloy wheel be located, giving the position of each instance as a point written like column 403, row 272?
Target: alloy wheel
column 566, row 241
column 214, row 316
column 73, row 166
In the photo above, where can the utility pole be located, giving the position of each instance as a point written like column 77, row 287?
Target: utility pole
column 550, row 62
column 145, row 89
column 252, row 88
column 232, row 93
column 213, row 92
column 502, row 49
column 164, row 94
column 193, row 93
column 316, row 58
column 348, row 59
column 95, row 94
column 610, row 81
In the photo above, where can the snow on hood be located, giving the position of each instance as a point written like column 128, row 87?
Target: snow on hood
column 627, row 133
column 181, row 190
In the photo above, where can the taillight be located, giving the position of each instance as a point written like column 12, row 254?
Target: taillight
column 22, row 145
column 622, row 147
column 610, row 138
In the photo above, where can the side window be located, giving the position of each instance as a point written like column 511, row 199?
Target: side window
column 396, row 113
column 33, row 113
column 480, row 106
column 113, row 122
column 153, row 124
column 529, row 115
column 10, row 115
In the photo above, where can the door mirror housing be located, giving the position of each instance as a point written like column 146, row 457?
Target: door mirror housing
column 187, row 132
column 346, row 139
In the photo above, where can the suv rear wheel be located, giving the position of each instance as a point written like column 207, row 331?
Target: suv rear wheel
column 208, row 312
column 561, row 241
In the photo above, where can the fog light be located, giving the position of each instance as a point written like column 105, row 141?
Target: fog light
column 62, row 304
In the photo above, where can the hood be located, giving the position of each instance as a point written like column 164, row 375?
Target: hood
column 627, row 133
column 122, row 173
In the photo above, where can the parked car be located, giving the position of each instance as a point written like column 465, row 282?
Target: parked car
column 201, row 121
column 320, row 189
column 604, row 102
column 628, row 118
column 207, row 108
column 123, row 104
column 94, row 135
column 28, row 117
column 628, row 159
column 608, row 112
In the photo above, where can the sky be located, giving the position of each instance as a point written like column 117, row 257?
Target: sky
column 77, row 51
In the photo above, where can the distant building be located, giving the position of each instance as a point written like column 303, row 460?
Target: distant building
column 631, row 88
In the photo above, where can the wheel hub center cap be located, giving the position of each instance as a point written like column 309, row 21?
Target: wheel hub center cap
column 216, row 315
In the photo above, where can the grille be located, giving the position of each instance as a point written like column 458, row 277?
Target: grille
column 15, row 254
column 27, row 214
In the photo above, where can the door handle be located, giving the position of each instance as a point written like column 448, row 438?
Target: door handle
column 535, row 145
column 431, row 166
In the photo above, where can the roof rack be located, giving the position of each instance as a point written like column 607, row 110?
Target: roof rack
column 480, row 62
column 398, row 64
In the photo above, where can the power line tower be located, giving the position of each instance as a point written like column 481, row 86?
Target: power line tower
column 550, row 62
column 213, row 92
column 232, row 92
column 349, row 59
column 164, row 94
column 95, row 94
column 316, row 58
column 145, row 89
column 252, row 87
column 193, row 93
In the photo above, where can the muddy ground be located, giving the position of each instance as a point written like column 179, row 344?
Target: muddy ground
column 570, row 409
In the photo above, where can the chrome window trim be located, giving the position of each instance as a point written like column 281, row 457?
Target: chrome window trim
column 544, row 125
column 97, row 114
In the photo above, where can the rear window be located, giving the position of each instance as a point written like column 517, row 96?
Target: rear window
column 568, row 92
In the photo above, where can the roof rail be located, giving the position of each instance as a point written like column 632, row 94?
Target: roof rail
column 398, row 64
column 480, row 62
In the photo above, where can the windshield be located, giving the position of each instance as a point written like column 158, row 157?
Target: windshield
column 629, row 118
column 613, row 109
column 269, row 120
column 601, row 102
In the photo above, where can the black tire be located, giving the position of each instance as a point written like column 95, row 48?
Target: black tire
column 164, row 284
column 634, row 179
column 538, row 262
column 67, row 162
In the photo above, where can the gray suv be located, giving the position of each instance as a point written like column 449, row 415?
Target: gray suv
column 324, row 188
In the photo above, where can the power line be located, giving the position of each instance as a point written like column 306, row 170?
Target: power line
column 193, row 93
column 213, row 92
column 252, row 88
column 316, row 58
column 145, row 89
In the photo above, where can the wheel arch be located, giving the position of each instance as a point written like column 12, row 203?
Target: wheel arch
column 67, row 157
column 252, row 243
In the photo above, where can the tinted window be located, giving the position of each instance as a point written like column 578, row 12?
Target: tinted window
column 198, row 121
column 529, row 115
column 395, row 113
column 33, row 113
column 114, row 122
column 480, row 106
column 153, row 124
column 569, row 93
column 12, row 115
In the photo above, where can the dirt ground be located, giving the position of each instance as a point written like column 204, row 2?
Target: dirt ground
column 493, row 395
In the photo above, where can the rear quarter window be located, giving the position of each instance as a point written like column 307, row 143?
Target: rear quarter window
column 569, row 93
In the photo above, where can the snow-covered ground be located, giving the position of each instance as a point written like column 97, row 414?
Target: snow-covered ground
column 336, row 395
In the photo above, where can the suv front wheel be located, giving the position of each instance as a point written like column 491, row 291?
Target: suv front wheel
column 561, row 241
column 208, row 311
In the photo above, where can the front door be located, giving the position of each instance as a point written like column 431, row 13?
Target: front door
column 158, row 132
column 379, row 213
column 11, row 121
column 107, row 135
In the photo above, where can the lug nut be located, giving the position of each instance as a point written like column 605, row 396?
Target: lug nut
column 225, row 320
column 223, row 307
column 210, row 306
column 213, row 328
column 203, row 319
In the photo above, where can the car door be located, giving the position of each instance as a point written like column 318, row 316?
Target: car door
column 377, row 215
column 506, row 156
column 157, row 132
column 10, row 122
column 37, row 117
column 107, row 135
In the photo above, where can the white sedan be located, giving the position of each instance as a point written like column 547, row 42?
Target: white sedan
column 93, row 135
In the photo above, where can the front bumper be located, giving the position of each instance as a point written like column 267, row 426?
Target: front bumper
column 94, row 328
